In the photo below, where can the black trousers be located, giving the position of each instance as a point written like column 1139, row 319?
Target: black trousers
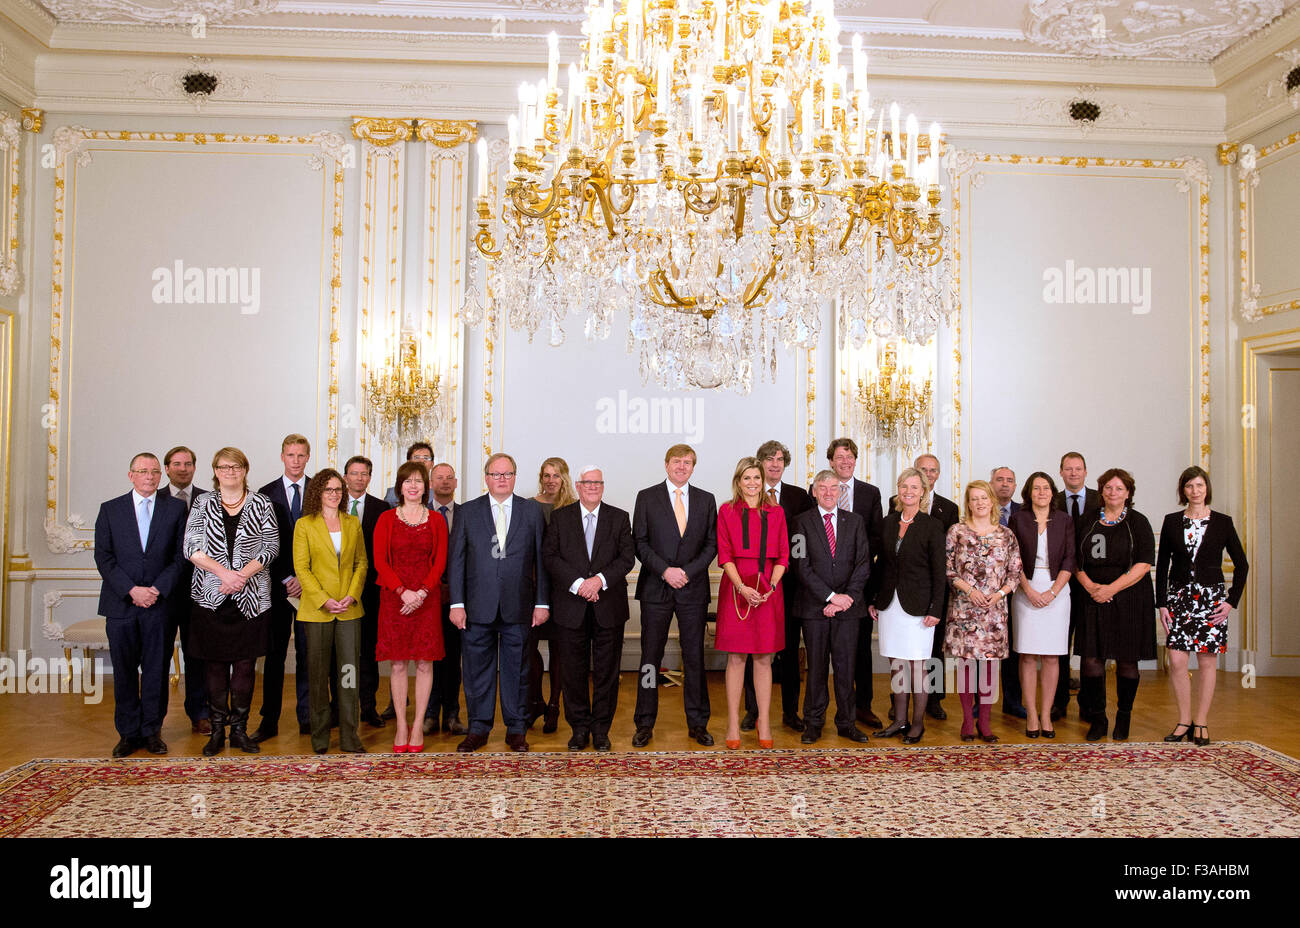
column 282, row 615
column 655, row 620
column 196, row 677
column 445, row 697
column 861, row 666
column 368, row 669
column 1011, row 693
column 785, row 668
column 832, row 642
column 602, row 649
column 135, row 649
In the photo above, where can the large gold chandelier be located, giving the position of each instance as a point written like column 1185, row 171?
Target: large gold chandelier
column 895, row 411
column 401, row 396
column 714, row 171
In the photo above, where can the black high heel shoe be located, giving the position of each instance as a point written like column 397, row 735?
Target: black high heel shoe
column 913, row 739
column 1176, row 735
column 1199, row 740
column 893, row 731
column 1032, row 732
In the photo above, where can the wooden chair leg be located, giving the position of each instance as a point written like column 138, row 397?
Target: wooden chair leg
column 176, row 659
column 67, row 668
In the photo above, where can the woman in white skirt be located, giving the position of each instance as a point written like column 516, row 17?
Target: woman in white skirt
column 908, row 581
column 1041, row 607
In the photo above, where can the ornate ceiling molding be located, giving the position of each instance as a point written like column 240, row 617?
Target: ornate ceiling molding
column 135, row 11
column 168, row 84
column 1137, row 28
column 1053, row 111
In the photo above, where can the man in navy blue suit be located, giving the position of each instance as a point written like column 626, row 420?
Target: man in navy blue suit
column 286, row 493
column 499, row 589
column 138, row 538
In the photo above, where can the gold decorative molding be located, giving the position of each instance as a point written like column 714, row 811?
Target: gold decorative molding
column 1227, row 152
column 1192, row 178
column 11, row 172
column 1248, row 177
column 380, row 131
column 447, row 133
column 33, row 120
column 71, row 143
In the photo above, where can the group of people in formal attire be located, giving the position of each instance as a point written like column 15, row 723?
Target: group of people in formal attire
column 463, row 593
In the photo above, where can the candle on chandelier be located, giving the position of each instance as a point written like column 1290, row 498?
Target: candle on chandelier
column 697, row 107
column 806, row 108
column 828, row 98
column 539, row 113
column 733, row 118
column 665, row 74
column 893, row 124
column 864, row 116
column 627, row 88
column 481, row 151
column 780, row 102
column 634, row 20
column 911, row 145
column 935, row 134
column 720, row 33
column 526, row 93
column 573, row 101
column 859, row 64
column 553, row 60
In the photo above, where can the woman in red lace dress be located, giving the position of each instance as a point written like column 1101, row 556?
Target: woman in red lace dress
column 410, row 555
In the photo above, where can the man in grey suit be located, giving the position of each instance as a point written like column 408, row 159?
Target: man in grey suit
column 833, row 574
column 1080, row 502
column 499, row 589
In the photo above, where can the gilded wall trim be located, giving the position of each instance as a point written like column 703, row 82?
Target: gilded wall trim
column 326, row 152
column 1248, row 167
column 11, row 172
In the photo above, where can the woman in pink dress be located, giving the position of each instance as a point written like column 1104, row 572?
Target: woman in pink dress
column 410, row 555
column 753, row 552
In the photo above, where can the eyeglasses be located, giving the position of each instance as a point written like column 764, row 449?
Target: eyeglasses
column 331, row 490
column 591, row 483
column 228, row 468
column 151, row 473
column 502, row 476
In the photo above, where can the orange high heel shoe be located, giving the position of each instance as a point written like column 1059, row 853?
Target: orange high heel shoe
column 733, row 745
column 765, row 743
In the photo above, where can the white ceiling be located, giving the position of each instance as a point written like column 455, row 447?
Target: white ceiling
column 1187, row 31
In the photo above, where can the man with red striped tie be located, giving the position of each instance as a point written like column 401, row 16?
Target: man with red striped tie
column 832, row 565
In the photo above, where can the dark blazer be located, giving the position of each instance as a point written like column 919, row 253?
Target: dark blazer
column 866, row 503
column 181, row 604
column 1091, row 501
column 564, row 551
column 795, row 501
column 944, row 509
column 282, row 566
column 819, row 574
column 997, row 507
column 660, row 546
column 1060, row 542
column 1175, row 570
column 374, row 508
column 488, row 580
column 123, row 564
column 918, row 570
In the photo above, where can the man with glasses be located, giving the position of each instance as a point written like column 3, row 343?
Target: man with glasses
column 286, row 495
column 421, row 451
column 138, row 538
column 499, row 589
column 589, row 552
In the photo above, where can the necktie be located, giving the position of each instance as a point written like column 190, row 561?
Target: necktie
column 500, row 511
column 1074, row 507
column 1006, row 515
column 295, row 505
column 354, row 508
column 771, row 496
column 679, row 510
column 845, row 489
column 445, row 518
column 146, row 506
column 591, row 532
column 830, row 533
column 185, row 496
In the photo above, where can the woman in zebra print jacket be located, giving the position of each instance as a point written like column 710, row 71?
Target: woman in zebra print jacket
column 231, row 537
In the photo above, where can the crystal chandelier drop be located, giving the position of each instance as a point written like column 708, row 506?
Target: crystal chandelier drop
column 895, row 411
column 715, row 172
column 401, row 396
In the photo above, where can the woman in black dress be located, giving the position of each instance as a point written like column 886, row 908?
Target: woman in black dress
column 1194, row 608
column 231, row 537
column 1116, row 551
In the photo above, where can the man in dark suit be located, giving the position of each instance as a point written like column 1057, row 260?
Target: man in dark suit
column 864, row 499
column 589, row 552
column 833, row 574
column 138, row 539
column 948, row 514
column 675, row 527
column 445, row 697
column 368, row 508
column 1081, row 503
column 179, row 466
column 286, row 494
column 420, row 451
column 1003, row 480
column 499, row 589
column 775, row 458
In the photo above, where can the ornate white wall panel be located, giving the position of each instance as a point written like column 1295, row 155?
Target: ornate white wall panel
column 1268, row 181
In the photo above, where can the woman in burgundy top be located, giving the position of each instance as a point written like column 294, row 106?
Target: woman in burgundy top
column 410, row 555
column 753, row 552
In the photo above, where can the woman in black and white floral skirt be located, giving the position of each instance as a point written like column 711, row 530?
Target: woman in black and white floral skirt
column 1194, row 606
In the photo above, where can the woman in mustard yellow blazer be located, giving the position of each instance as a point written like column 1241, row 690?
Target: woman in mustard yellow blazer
column 329, row 559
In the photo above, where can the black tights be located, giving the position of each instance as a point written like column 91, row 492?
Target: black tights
column 907, row 678
column 1095, row 667
column 233, row 681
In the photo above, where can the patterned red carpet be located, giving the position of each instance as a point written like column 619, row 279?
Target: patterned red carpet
column 1233, row 789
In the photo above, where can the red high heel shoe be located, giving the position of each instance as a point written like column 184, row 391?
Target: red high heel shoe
column 733, row 745
column 399, row 748
column 415, row 748
column 765, row 743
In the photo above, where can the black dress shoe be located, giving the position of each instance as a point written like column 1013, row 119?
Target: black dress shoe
column 304, row 728
column 359, row 749
column 472, row 742
column 793, row 722
column 321, row 750
column 811, row 734
column 1014, row 709
column 855, row 734
column 126, row 747
column 893, row 731
column 701, row 734
column 642, row 737
column 579, row 740
column 430, row 725
column 749, row 722
column 601, row 742
column 935, row 710
column 517, row 742
column 551, row 721
column 263, row 733
column 868, row 718
column 389, row 713
column 454, row 726
column 155, row 745
column 372, row 718
column 913, row 739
